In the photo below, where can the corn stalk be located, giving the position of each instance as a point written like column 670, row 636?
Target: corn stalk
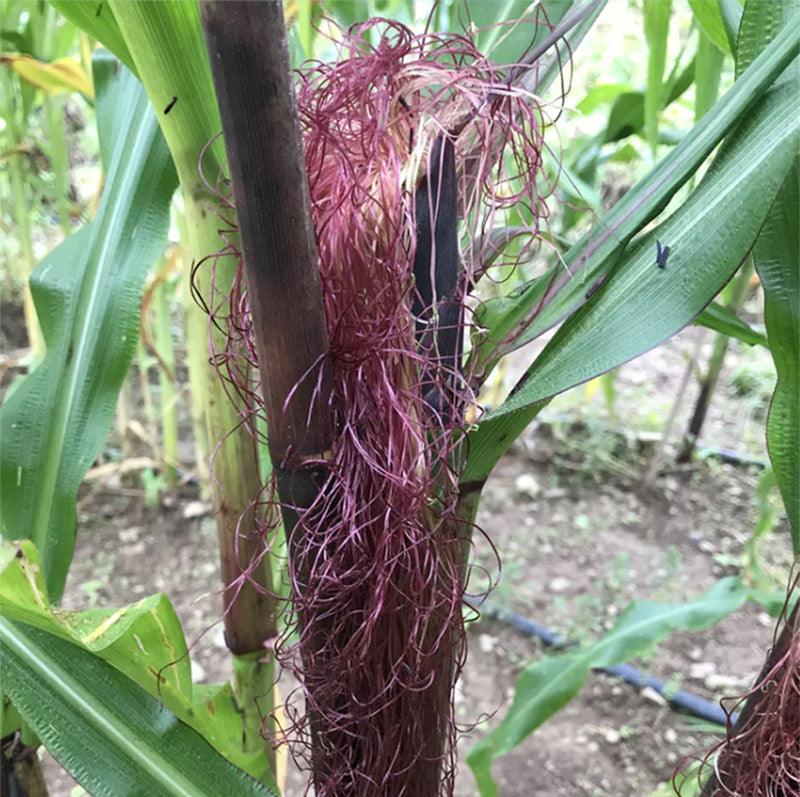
column 247, row 47
column 166, row 378
column 21, row 212
column 165, row 44
column 196, row 357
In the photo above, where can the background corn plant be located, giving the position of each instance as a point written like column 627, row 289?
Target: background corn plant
column 104, row 671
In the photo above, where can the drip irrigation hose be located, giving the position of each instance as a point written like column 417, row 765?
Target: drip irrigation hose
column 730, row 457
column 677, row 698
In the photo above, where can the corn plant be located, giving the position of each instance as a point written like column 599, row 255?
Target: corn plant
column 369, row 196
column 36, row 74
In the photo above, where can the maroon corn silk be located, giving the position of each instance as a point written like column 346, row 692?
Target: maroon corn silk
column 377, row 562
column 760, row 756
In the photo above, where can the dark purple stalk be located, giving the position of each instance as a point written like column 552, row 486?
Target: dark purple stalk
column 250, row 65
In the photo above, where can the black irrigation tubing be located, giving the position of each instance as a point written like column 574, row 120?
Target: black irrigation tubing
column 677, row 698
column 730, row 457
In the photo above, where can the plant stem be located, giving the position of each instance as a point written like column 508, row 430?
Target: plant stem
column 666, row 433
column 262, row 135
column 147, row 398
column 247, row 47
column 22, row 214
column 196, row 328
column 250, row 615
column 59, row 157
column 166, row 379
column 739, row 291
column 122, row 420
column 165, row 41
column 253, row 683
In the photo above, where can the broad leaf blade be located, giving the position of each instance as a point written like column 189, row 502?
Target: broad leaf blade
column 87, row 294
column 708, row 14
column 167, row 43
column 553, row 63
column 348, row 12
column 759, row 24
column 626, row 117
column 112, row 736
column 709, row 62
column 777, row 259
column 53, row 77
column 641, row 305
column 509, row 28
column 721, row 319
column 144, row 641
column 731, row 11
column 656, row 31
column 513, row 321
column 96, row 18
column 546, row 686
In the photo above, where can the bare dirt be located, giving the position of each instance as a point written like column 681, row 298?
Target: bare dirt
column 579, row 535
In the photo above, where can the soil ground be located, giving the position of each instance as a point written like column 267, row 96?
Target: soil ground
column 579, row 536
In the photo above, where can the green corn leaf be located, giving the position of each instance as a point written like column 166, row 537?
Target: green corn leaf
column 509, row 30
column 553, row 62
column 760, row 24
column 600, row 95
column 709, row 17
column 731, row 11
column 641, row 305
column 504, row 39
column 87, row 294
column 656, row 31
column 709, row 62
column 96, row 17
column 777, row 259
column 546, row 686
column 626, row 117
column 348, row 12
column 143, row 641
column 512, row 321
column 166, row 40
column 110, row 734
column 721, row 319
column 304, row 28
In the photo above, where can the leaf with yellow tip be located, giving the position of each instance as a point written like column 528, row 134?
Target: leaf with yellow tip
column 56, row 77
column 143, row 641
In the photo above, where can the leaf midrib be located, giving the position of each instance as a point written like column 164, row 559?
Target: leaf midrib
column 106, row 234
column 63, row 683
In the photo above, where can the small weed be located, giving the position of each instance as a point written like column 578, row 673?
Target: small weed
column 583, row 523
column 154, row 485
column 754, row 378
column 627, row 732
